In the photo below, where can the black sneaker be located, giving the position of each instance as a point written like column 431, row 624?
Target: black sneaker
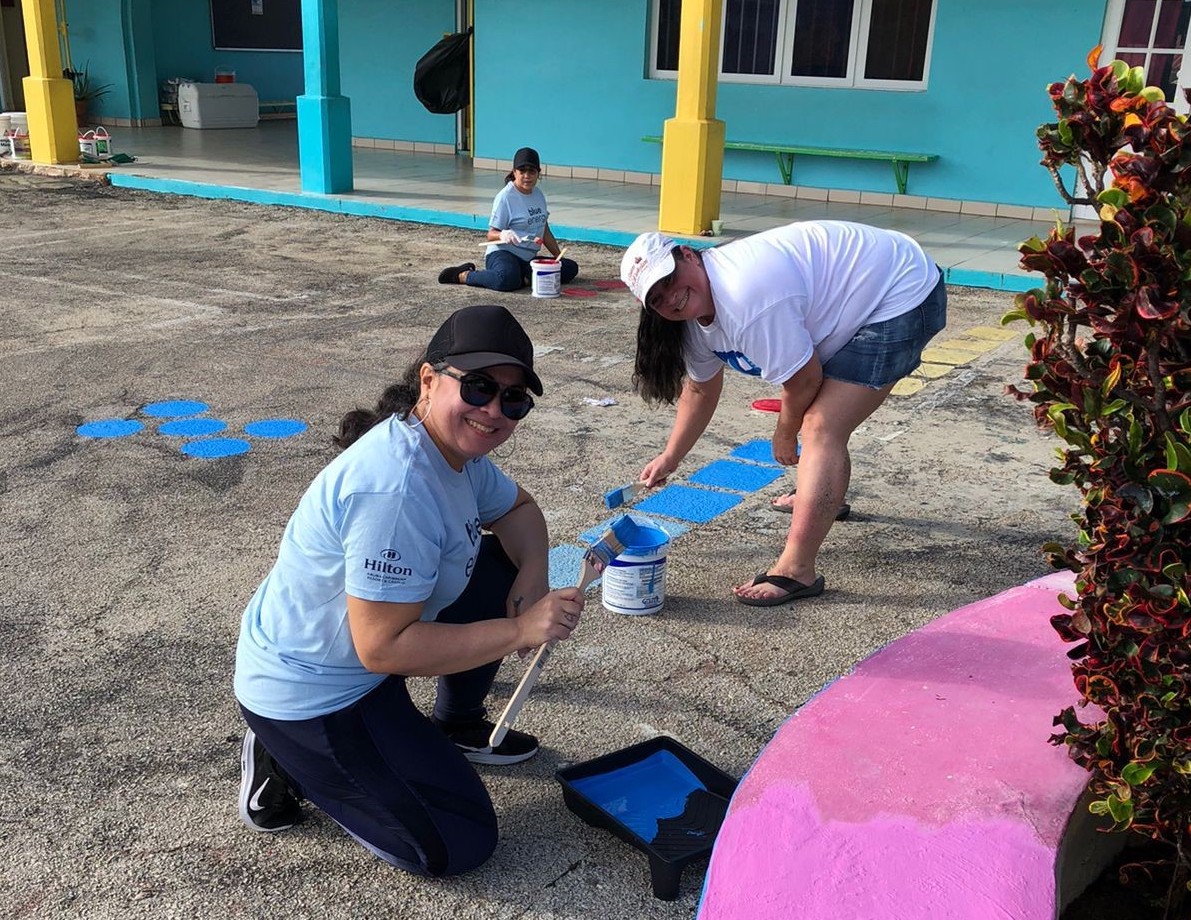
column 267, row 803
column 472, row 739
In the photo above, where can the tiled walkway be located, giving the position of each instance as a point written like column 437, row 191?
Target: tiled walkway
column 260, row 164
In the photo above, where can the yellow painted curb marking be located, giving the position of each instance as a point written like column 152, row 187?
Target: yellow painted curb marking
column 940, row 354
column 907, row 386
column 995, row 333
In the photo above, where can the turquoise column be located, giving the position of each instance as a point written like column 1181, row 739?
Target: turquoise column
column 324, row 116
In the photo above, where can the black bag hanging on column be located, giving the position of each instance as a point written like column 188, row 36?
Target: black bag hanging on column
column 442, row 75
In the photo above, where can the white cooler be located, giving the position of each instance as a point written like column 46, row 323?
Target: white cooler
column 218, row 105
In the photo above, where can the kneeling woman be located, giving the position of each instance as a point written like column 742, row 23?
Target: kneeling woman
column 518, row 228
column 384, row 573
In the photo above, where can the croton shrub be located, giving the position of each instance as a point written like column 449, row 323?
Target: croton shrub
column 1110, row 372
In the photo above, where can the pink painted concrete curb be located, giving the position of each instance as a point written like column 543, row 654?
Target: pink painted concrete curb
column 919, row 786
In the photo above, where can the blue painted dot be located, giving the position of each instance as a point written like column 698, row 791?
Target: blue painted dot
column 216, row 447
column 759, row 451
column 192, row 427
column 275, row 428
column 174, row 408
column 109, row 428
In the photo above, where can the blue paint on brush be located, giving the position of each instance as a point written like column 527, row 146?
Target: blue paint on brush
column 275, row 428
column 211, row 448
column 109, row 428
column 640, row 794
column 689, row 503
column 672, row 528
column 739, row 477
column 174, row 408
column 192, row 427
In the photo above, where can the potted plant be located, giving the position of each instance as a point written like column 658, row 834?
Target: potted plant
column 86, row 91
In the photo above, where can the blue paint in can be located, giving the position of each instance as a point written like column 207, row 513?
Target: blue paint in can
column 635, row 581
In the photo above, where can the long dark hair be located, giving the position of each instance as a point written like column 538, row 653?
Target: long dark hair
column 659, row 368
column 397, row 399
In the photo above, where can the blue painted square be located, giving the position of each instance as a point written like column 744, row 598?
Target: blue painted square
column 689, row 503
column 565, row 562
column 739, row 477
column 759, row 451
column 674, row 528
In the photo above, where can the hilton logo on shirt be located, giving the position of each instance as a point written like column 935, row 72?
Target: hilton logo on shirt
column 385, row 570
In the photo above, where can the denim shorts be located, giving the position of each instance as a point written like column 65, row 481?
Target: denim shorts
column 882, row 353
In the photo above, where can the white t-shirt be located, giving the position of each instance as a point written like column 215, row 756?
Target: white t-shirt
column 527, row 214
column 804, row 288
column 386, row 520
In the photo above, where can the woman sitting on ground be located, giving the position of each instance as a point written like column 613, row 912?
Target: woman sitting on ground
column 517, row 229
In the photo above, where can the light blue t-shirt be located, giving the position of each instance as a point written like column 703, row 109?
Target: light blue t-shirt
column 527, row 214
column 386, row 520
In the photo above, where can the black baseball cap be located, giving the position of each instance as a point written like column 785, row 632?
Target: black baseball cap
column 527, row 156
column 483, row 336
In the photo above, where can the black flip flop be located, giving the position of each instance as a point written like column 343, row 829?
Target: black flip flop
column 794, row 590
column 842, row 515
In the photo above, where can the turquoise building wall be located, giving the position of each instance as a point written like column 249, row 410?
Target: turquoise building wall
column 380, row 42
column 571, row 80
column 590, row 100
column 182, row 47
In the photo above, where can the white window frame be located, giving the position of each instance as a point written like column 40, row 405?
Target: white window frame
column 857, row 50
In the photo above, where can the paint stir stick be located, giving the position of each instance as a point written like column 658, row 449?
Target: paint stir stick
column 595, row 560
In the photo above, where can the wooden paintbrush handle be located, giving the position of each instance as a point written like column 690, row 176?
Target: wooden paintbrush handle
column 521, row 694
column 589, row 574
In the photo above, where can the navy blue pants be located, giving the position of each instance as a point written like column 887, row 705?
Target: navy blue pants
column 504, row 271
column 385, row 772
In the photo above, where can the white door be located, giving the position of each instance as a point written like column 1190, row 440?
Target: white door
column 1154, row 35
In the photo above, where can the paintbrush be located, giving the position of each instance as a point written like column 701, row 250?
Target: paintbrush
column 618, row 535
column 617, row 497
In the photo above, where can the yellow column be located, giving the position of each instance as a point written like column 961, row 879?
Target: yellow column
column 693, row 140
column 49, row 97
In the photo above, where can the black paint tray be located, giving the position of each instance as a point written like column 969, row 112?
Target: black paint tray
column 658, row 796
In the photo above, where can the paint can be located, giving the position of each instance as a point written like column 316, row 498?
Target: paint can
column 634, row 582
column 18, row 122
column 225, row 75
column 547, row 277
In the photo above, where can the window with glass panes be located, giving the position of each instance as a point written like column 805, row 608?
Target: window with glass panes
column 1153, row 36
column 867, row 43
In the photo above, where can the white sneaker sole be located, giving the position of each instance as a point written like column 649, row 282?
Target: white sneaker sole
column 488, row 756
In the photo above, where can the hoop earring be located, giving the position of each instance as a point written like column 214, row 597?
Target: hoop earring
column 420, row 419
column 511, row 444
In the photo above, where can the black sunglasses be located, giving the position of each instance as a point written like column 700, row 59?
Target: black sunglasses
column 478, row 390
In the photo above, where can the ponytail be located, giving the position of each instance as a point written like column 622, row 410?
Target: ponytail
column 397, row 399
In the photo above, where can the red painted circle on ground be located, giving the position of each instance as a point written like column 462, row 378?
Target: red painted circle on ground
column 579, row 292
column 768, row 405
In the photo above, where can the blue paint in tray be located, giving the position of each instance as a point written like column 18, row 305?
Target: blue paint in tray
column 689, row 503
column 109, row 428
column 192, row 427
column 275, row 428
column 640, row 794
column 739, row 477
column 211, row 448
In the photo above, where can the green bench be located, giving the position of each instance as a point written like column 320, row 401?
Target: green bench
column 785, row 154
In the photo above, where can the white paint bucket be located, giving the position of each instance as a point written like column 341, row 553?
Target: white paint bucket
column 18, row 122
column 635, row 581
column 547, row 277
